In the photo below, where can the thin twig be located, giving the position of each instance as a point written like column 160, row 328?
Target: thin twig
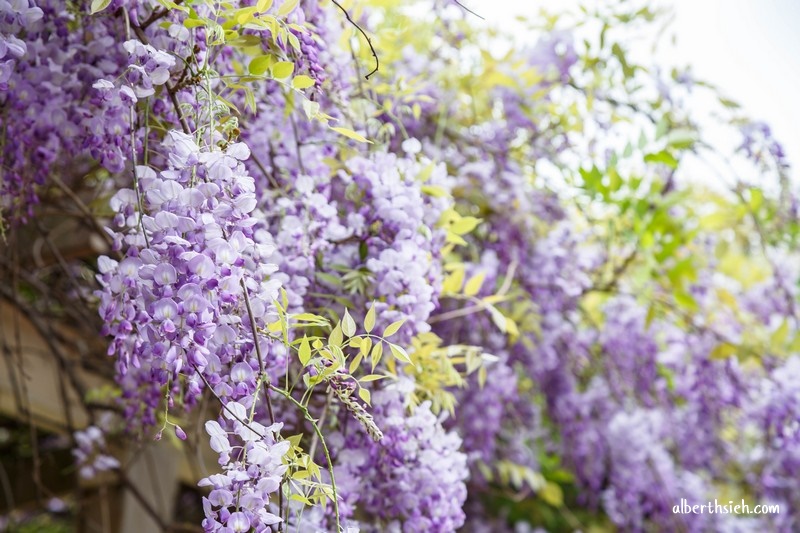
column 468, row 10
column 369, row 41
column 83, row 208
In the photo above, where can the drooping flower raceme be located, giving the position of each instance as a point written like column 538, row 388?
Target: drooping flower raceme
column 177, row 301
column 251, row 460
column 413, row 479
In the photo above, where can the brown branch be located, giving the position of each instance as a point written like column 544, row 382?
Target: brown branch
column 158, row 14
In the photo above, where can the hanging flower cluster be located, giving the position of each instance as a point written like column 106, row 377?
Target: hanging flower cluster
column 178, row 302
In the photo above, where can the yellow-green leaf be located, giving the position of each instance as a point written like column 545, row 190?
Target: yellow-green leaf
column 348, row 324
column 552, row 494
column 259, row 65
column 464, row 225
column 99, row 5
column 369, row 320
column 377, row 352
column 302, row 82
column 498, row 318
column 474, row 284
column 435, row 191
column 454, row 281
column 355, row 362
column 282, row 69
column 245, row 15
column 305, row 351
column 364, row 395
column 393, row 328
column 723, row 350
column 311, row 109
column 400, row 353
column 351, row 134
column 366, row 345
column 335, row 338
column 263, row 5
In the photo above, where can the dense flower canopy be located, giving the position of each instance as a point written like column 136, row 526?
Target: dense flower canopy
column 403, row 273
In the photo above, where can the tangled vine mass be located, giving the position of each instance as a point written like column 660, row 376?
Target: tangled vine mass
column 396, row 269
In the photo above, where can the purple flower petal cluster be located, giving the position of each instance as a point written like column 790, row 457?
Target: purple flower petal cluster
column 413, row 479
column 149, row 67
column 91, row 453
column 176, row 302
column 51, row 112
column 774, row 416
column 761, row 147
column 16, row 17
column 395, row 222
column 252, row 464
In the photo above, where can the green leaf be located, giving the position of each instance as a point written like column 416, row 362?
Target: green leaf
column 552, row 494
column 366, row 345
column 305, row 351
column 263, row 5
column 282, row 69
column 377, row 352
column 355, row 362
column 453, row 282
column 245, row 15
column 194, row 23
column 348, row 324
column 369, row 320
column 371, row 377
column 259, row 65
column 364, row 395
column 309, row 317
column 662, row 157
column 474, row 284
column 284, row 298
column 243, row 41
column 400, row 353
column 464, row 225
column 498, row 318
column 335, row 338
column 311, row 109
column 723, row 350
column 300, row 498
column 294, row 42
column 302, row 82
column 99, row 5
column 435, row 191
column 685, row 300
column 351, row 134
column 393, row 328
